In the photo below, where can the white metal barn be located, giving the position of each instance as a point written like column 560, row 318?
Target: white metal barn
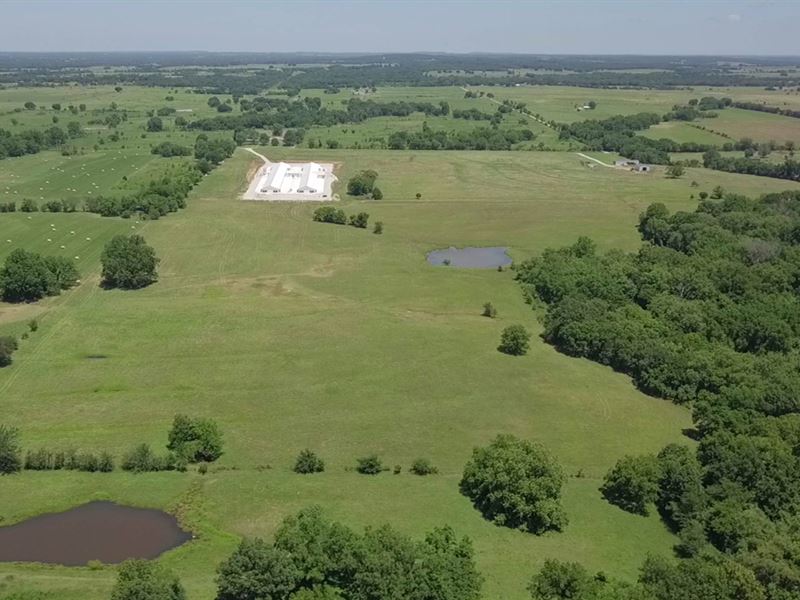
column 292, row 181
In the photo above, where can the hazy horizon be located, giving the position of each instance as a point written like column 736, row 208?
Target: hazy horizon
column 577, row 27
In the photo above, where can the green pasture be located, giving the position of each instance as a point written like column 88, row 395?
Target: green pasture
column 683, row 132
column 296, row 334
column 759, row 126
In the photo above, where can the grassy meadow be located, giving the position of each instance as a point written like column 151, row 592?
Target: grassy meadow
column 296, row 334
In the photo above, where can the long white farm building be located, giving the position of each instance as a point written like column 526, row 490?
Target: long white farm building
column 292, row 181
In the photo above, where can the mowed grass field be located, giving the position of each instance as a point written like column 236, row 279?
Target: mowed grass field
column 759, row 126
column 680, row 132
column 296, row 334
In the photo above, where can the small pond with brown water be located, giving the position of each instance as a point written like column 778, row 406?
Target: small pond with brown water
column 98, row 530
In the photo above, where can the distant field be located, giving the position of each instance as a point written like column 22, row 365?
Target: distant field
column 680, row 132
column 561, row 103
column 759, row 126
column 297, row 334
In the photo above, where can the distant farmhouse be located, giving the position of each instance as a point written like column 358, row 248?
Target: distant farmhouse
column 633, row 165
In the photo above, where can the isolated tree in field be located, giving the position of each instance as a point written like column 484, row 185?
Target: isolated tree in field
column 418, row 196
column 155, row 124
column 675, row 171
column 515, row 340
column 146, row 580
column 632, row 483
column 308, row 462
column 213, row 102
column 516, row 484
column 378, row 227
column 8, row 346
column 25, row 277
column 257, row 571
column 128, row 263
column 30, row 105
column 489, row 310
column 10, row 452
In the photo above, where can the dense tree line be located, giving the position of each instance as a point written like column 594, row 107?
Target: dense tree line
column 788, row 169
column 472, row 114
column 618, row 134
column 705, row 313
column 175, row 70
column 775, row 110
column 68, row 460
column 273, row 113
column 169, row 149
column 480, row 138
column 336, row 216
column 156, row 198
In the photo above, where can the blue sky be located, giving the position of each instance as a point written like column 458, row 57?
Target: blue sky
column 521, row 26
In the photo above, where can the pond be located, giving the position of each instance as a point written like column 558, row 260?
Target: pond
column 99, row 530
column 489, row 257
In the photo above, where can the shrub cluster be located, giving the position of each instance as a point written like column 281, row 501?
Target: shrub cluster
column 28, row 276
column 158, row 197
column 308, row 462
column 169, row 149
column 8, row 345
column 69, row 460
column 195, row 440
column 422, row 466
column 57, row 206
column 329, row 214
column 146, row 580
column 370, row 465
column 362, row 184
column 10, row 451
column 313, row 557
column 141, row 459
